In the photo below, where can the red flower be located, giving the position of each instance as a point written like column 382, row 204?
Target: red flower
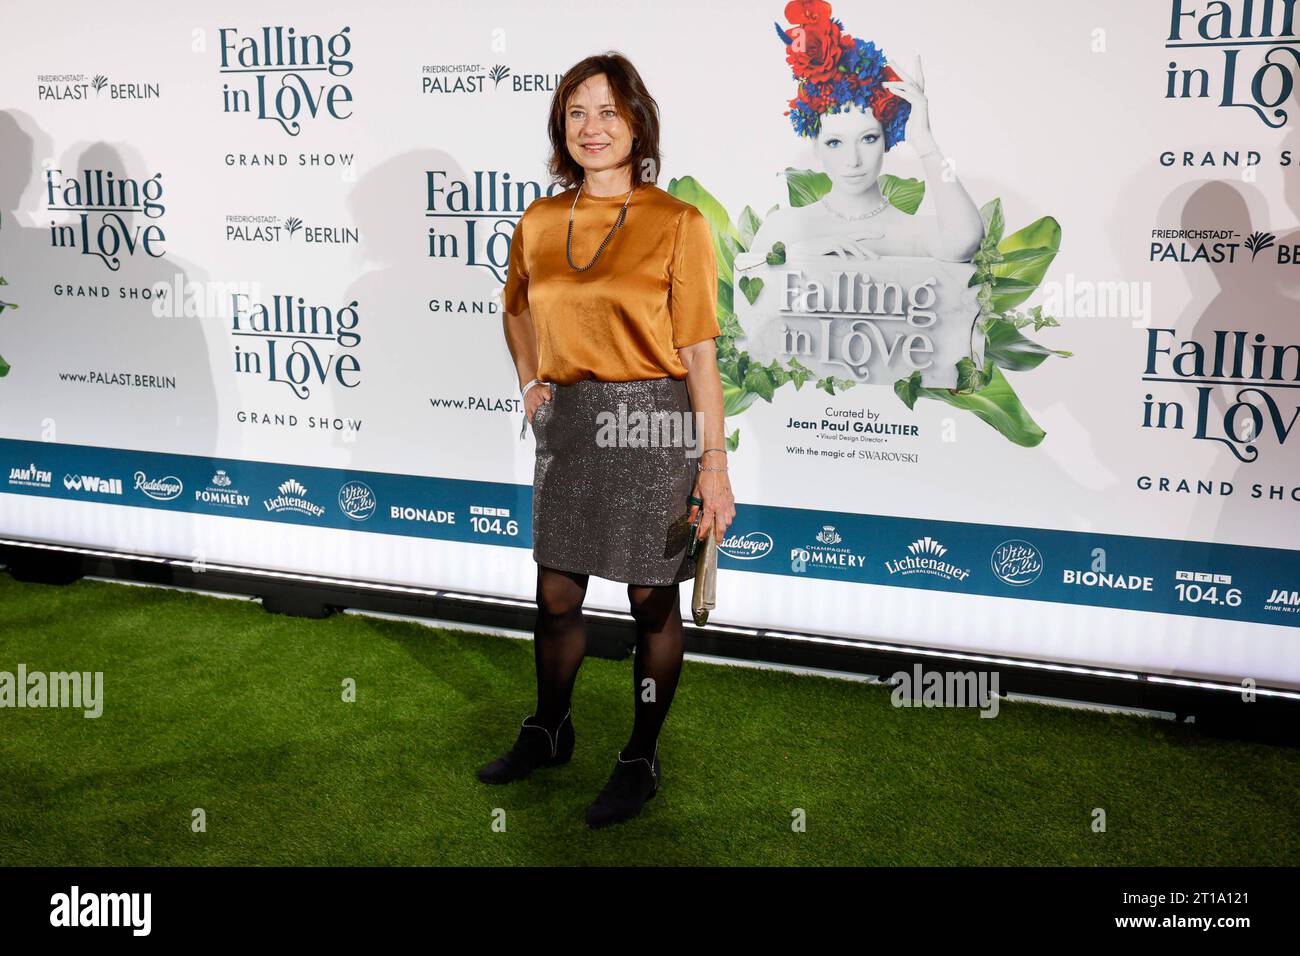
column 821, row 40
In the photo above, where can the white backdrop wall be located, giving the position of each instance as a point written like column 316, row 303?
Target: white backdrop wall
column 148, row 407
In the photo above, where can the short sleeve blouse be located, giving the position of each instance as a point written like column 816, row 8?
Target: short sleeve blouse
column 653, row 290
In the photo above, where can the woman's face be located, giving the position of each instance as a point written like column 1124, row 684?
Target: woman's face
column 851, row 147
column 597, row 137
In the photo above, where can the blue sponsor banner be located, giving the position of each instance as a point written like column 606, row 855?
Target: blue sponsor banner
column 1202, row 579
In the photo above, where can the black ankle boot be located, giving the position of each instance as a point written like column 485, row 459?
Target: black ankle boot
column 632, row 783
column 534, row 747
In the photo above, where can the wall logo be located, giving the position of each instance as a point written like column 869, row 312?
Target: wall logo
column 159, row 489
column 92, row 485
column 273, row 75
column 221, row 492
column 293, row 349
column 1016, row 563
column 80, row 87
column 356, row 500
column 106, row 207
column 1247, row 53
column 289, row 230
column 293, row 497
column 31, row 477
column 926, row 557
column 748, row 546
column 827, row 553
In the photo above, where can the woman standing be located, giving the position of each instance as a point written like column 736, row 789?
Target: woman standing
column 610, row 315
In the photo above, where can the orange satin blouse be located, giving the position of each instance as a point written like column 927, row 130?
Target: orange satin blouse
column 652, row 291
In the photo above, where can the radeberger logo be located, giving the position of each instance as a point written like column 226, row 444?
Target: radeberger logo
column 1246, row 50
column 159, row 489
column 748, row 546
column 105, row 206
column 274, row 75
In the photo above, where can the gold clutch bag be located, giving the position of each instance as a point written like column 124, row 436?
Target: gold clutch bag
column 706, row 580
column 704, row 596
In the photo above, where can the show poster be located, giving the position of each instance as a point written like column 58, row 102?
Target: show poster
column 1040, row 398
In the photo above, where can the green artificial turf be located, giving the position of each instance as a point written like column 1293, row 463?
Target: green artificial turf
column 217, row 704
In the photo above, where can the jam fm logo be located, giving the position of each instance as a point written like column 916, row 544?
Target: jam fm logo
column 293, row 343
column 284, row 77
column 1246, row 51
column 473, row 220
column 106, row 206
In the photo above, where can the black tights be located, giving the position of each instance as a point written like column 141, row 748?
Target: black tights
column 560, row 642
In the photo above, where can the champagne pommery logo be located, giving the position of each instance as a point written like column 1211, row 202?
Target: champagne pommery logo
column 272, row 75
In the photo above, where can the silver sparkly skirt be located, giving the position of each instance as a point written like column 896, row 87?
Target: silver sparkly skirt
column 609, row 497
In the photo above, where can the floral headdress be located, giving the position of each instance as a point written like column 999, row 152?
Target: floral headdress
column 836, row 71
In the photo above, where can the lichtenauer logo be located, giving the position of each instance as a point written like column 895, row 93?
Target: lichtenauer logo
column 293, row 497
column 926, row 557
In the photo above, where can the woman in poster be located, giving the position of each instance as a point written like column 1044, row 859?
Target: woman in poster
column 855, row 107
column 610, row 315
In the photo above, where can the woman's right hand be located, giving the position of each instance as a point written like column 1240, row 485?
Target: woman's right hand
column 534, row 397
column 851, row 247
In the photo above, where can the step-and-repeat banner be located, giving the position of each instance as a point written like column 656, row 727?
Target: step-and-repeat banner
column 252, row 264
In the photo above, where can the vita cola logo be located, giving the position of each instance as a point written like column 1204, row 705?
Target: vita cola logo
column 279, row 67
column 106, row 205
column 1242, row 67
column 292, row 334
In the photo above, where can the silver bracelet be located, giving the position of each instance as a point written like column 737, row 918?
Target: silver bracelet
column 536, row 381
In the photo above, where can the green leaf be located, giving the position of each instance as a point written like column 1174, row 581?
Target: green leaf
column 4, row 367
column 749, row 226
column 903, row 194
column 734, row 398
column 751, row 288
column 998, row 405
column 1026, row 257
column 799, row 373
column 1006, row 347
column 733, row 440
column 759, row 381
column 777, row 256
column 806, row 186
column 994, row 221
column 909, row 389
column 970, row 377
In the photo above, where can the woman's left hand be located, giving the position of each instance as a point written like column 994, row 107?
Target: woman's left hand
column 714, row 487
column 912, row 89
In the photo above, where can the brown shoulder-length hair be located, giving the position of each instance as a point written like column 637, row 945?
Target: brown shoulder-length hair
column 634, row 104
